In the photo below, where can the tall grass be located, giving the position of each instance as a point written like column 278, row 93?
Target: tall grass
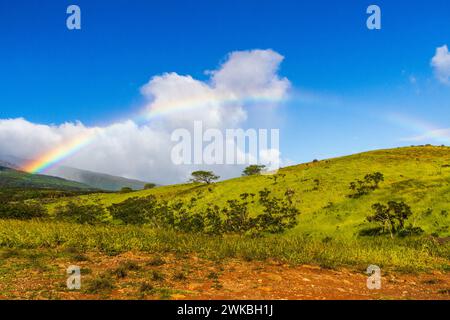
column 399, row 254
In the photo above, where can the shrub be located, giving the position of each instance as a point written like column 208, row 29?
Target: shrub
column 83, row 214
column 213, row 221
column 278, row 214
column 410, row 231
column 149, row 186
column 236, row 217
column 146, row 288
column 368, row 184
column 126, row 190
column 137, row 211
column 376, row 231
column 22, row 211
column 100, row 284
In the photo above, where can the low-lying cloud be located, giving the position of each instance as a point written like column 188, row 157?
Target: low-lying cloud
column 134, row 149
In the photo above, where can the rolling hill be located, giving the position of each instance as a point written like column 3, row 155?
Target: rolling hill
column 95, row 179
column 92, row 179
column 11, row 178
column 420, row 176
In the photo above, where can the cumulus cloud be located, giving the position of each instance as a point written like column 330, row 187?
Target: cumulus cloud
column 136, row 149
column 441, row 64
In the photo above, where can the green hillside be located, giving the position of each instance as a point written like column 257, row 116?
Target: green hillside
column 10, row 178
column 96, row 180
column 419, row 176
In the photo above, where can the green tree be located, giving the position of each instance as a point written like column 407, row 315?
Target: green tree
column 149, row 186
column 253, row 170
column 126, row 190
column 391, row 217
column 203, row 176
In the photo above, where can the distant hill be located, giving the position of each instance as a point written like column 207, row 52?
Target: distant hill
column 7, row 164
column 12, row 162
column 95, row 179
column 11, row 178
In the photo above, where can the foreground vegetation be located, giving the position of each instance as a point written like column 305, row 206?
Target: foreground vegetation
column 410, row 254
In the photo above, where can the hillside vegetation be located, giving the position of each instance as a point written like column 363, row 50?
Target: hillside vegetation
column 418, row 176
column 11, row 178
column 96, row 180
column 323, row 213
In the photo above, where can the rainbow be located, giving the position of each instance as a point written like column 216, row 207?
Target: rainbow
column 424, row 129
column 70, row 147
column 163, row 108
column 59, row 153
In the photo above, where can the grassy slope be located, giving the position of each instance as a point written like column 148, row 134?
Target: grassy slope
column 414, row 175
column 10, row 178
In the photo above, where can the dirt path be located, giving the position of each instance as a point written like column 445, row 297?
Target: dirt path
column 144, row 276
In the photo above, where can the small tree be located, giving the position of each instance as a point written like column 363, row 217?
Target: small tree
column 391, row 217
column 126, row 190
column 253, row 170
column 149, row 186
column 370, row 183
column 203, row 177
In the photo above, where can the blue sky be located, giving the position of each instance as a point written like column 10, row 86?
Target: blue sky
column 354, row 89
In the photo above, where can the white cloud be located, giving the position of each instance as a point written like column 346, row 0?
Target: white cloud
column 441, row 64
column 439, row 135
column 251, row 73
column 142, row 151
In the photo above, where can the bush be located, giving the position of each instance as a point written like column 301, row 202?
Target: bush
column 410, row 231
column 126, row 190
column 22, row 211
column 371, row 232
column 101, row 284
column 83, row 214
column 368, row 184
column 137, row 211
column 278, row 215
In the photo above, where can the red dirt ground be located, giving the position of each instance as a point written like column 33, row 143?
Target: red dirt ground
column 189, row 277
